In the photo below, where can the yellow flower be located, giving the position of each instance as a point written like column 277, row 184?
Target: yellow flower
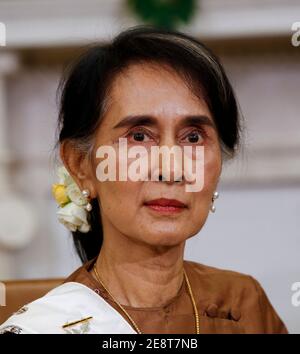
column 60, row 194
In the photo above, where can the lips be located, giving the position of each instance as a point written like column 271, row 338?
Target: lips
column 166, row 202
column 164, row 205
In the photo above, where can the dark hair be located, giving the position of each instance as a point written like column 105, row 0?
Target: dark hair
column 86, row 87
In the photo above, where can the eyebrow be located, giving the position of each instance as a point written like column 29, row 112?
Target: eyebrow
column 148, row 120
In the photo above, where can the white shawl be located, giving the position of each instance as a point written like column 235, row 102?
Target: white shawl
column 68, row 303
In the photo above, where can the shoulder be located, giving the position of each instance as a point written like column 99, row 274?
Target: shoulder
column 222, row 285
column 221, row 278
column 238, row 293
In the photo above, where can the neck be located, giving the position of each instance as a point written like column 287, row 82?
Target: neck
column 140, row 275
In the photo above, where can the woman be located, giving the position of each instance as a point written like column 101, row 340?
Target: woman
column 152, row 88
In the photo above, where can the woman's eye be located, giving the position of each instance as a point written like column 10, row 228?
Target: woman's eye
column 194, row 137
column 139, row 136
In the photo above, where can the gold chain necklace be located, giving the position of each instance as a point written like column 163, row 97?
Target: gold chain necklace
column 131, row 319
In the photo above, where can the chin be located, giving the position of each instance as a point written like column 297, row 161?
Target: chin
column 167, row 239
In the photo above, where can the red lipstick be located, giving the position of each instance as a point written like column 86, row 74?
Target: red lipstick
column 166, row 205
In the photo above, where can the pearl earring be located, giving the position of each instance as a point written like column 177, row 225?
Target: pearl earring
column 86, row 193
column 88, row 207
column 214, row 197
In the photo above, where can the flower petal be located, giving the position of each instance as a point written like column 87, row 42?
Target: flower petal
column 74, row 193
column 64, row 176
column 73, row 217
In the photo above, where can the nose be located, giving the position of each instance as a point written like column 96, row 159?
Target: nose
column 161, row 178
column 170, row 161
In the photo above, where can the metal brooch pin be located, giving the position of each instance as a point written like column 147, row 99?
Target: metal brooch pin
column 69, row 324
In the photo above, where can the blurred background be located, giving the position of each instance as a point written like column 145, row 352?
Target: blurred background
column 256, row 227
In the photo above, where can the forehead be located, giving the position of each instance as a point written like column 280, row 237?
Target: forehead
column 153, row 89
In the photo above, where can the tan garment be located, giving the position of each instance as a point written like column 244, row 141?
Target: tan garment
column 227, row 302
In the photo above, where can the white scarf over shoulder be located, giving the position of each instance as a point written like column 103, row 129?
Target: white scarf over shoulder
column 72, row 304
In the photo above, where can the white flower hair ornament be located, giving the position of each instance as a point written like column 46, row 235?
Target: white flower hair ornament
column 73, row 204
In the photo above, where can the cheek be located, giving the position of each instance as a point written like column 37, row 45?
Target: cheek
column 118, row 200
column 212, row 170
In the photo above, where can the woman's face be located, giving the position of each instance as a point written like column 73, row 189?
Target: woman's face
column 155, row 92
